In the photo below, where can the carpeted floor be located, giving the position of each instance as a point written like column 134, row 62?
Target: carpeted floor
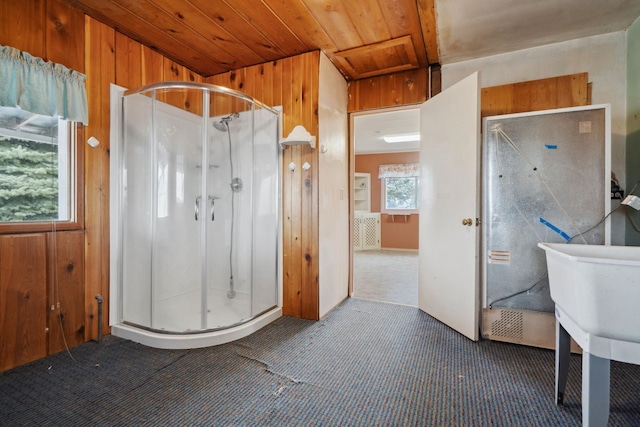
column 366, row 364
column 386, row 275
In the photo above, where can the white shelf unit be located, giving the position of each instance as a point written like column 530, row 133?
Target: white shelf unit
column 366, row 231
column 362, row 192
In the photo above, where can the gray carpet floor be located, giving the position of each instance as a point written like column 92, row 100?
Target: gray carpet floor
column 366, row 364
column 387, row 276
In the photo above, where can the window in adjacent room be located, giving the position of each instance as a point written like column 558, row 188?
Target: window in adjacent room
column 400, row 188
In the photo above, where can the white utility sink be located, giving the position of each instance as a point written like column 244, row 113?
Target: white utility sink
column 596, row 290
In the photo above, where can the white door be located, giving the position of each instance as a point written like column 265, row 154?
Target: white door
column 449, row 155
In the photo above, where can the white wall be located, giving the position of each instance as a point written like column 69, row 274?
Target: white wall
column 603, row 57
column 333, row 189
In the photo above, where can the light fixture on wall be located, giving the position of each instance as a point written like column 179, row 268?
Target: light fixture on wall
column 298, row 136
column 408, row 137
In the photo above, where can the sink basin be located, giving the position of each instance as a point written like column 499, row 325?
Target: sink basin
column 597, row 287
column 596, row 291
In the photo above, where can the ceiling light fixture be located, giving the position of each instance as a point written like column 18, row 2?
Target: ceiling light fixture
column 410, row 137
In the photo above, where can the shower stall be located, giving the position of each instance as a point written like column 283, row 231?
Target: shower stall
column 195, row 184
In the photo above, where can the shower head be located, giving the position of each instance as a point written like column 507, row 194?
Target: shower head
column 223, row 124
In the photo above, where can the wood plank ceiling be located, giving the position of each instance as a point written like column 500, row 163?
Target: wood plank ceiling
column 363, row 38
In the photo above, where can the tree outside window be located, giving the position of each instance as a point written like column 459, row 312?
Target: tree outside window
column 28, row 181
column 35, row 172
column 401, row 193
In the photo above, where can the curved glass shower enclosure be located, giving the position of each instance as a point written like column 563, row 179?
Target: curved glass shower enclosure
column 197, row 201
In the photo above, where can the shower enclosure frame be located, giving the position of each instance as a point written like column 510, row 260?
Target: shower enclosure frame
column 196, row 338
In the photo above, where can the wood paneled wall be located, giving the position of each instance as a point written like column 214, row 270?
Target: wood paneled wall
column 40, row 270
column 293, row 84
column 391, row 90
column 99, row 54
column 23, row 303
column 41, row 295
column 66, row 279
column 42, row 274
column 55, row 31
column 555, row 92
column 49, row 29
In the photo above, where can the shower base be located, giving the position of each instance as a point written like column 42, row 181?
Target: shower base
column 196, row 339
column 182, row 312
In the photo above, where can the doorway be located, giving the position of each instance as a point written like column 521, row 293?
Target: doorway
column 385, row 212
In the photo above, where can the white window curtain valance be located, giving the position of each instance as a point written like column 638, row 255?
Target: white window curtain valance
column 41, row 87
column 399, row 171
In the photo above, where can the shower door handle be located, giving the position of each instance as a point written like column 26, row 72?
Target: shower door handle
column 213, row 202
column 197, row 207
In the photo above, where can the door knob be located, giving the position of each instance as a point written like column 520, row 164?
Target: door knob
column 467, row 221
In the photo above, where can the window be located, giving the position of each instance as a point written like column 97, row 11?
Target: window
column 400, row 186
column 39, row 157
column 37, row 170
column 400, row 194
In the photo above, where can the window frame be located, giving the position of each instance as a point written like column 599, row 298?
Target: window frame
column 383, row 198
column 76, row 177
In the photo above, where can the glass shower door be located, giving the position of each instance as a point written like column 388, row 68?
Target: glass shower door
column 137, row 134
column 197, row 186
column 266, row 198
column 230, row 157
column 178, row 214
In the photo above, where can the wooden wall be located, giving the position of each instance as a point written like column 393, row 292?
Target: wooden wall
column 293, row 84
column 554, row 92
column 390, row 90
column 41, row 295
column 79, row 260
column 49, row 29
column 42, row 273
column 23, row 299
column 40, row 270
column 412, row 87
